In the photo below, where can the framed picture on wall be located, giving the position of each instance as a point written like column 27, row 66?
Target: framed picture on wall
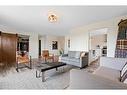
column 54, row 45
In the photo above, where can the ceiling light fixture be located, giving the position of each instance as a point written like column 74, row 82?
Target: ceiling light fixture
column 52, row 17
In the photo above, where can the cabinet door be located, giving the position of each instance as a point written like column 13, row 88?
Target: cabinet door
column 8, row 49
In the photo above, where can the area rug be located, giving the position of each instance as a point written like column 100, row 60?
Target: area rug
column 27, row 80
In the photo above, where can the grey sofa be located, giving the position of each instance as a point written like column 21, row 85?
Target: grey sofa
column 74, row 58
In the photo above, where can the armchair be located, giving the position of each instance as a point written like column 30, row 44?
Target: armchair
column 47, row 56
column 23, row 60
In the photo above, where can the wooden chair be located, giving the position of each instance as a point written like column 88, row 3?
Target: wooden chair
column 47, row 56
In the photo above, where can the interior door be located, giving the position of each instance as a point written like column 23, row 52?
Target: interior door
column 8, row 49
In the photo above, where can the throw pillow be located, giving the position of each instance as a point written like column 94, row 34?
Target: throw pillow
column 71, row 54
column 82, row 54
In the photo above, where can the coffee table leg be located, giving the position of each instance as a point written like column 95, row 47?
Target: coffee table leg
column 43, row 77
column 56, row 69
column 38, row 74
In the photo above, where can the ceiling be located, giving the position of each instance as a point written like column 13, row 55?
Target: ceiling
column 35, row 19
column 102, row 31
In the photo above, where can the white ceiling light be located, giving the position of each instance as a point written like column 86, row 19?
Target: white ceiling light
column 52, row 17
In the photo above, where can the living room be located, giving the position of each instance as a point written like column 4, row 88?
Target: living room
column 68, row 33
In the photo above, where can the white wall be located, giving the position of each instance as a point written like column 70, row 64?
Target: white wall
column 33, row 40
column 47, row 43
column 33, row 45
column 66, row 48
column 61, row 41
column 80, row 36
column 111, row 41
column 79, row 40
column 42, row 38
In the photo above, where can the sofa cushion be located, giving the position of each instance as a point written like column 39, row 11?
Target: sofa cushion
column 109, row 73
column 74, row 54
column 65, row 58
column 71, row 54
column 74, row 60
column 77, row 54
column 70, row 59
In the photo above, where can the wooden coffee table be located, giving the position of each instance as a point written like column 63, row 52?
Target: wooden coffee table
column 41, row 68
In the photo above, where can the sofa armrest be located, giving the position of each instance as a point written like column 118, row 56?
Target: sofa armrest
column 84, row 60
column 114, row 63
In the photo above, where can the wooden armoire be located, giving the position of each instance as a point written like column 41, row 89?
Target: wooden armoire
column 8, row 45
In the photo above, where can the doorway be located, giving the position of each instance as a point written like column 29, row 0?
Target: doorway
column 39, row 48
column 98, row 44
